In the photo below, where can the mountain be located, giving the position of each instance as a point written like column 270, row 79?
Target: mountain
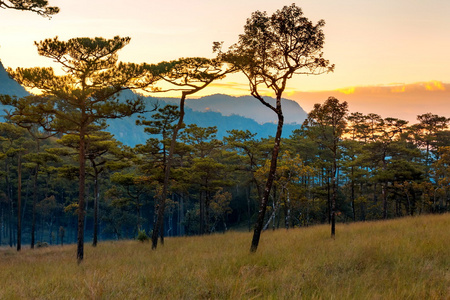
column 246, row 106
column 223, row 111
column 126, row 131
column 10, row 87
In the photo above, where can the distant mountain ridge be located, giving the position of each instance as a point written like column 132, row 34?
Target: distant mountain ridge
column 224, row 111
column 247, row 106
column 216, row 110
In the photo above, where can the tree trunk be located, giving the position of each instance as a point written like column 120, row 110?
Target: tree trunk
column 19, row 202
column 287, row 220
column 94, row 239
column 329, row 196
column 2, row 226
column 207, row 216
column 273, row 167
column 33, row 217
column 81, row 197
column 353, row 196
column 158, row 229
column 248, row 192
column 11, row 207
column 202, row 213
column 181, row 215
column 333, row 203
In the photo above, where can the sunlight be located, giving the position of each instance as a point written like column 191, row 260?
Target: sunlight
column 347, row 91
column 434, row 85
column 398, row 89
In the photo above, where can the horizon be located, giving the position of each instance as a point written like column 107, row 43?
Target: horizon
column 366, row 99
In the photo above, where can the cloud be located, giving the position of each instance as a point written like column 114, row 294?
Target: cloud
column 435, row 86
column 347, row 91
column 404, row 101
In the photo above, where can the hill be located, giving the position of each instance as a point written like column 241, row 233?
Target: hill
column 406, row 258
column 10, row 87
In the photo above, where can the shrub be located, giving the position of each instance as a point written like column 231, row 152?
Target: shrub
column 142, row 236
column 41, row 244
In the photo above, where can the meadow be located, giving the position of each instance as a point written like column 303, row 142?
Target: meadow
column 406, row 258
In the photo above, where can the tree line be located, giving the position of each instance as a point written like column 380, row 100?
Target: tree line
column 363, row 167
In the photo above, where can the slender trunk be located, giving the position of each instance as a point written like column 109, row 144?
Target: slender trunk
column 202, row 213
column 273, row 167
column 138, row 213
column 329, row 210
column 207, row 217
column 353, row 196
column 86, row 209
column 19, row 202
column 158, row 229
column 33, row 217
column 81, row 197
column 288, row 211
column 11, row 205
column 50, row 230
column 333, row 196
column 25, row 200
column 275, row 207
column 61, row 235
column 272, row 217
column 225, row 228
column 1, row 224
column 384, row 194
column 181, row 213
column 94, row 239
column 248, row 191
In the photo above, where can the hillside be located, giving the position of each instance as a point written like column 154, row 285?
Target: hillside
column 8, row 86
column 406, row 258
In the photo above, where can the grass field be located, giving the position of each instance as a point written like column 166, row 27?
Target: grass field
column 398, row 259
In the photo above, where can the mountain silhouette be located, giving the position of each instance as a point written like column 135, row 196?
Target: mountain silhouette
column 223, row 111
column 9, row 86
column 247, row 106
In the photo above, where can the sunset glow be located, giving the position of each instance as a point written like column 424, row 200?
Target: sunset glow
column 347, row 91
column 398, row 89
column 371, row 43
column 434, row 86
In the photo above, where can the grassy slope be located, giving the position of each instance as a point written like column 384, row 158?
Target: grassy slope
column 398, row 259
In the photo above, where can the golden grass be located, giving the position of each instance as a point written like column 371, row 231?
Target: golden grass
column 399, row 259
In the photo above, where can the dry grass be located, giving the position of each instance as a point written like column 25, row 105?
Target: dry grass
column 399, row 259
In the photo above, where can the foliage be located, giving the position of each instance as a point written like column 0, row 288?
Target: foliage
column 269, row 52
column 40, row 7
column 142, row 236
column 78, row 102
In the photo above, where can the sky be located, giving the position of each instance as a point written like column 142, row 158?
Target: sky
column 383, row 45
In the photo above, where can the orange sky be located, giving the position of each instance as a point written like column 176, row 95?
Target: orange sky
column 404, row 101
column 372, row 43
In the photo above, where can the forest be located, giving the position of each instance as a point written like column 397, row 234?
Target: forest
column 385, row 169
column 65, row 179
